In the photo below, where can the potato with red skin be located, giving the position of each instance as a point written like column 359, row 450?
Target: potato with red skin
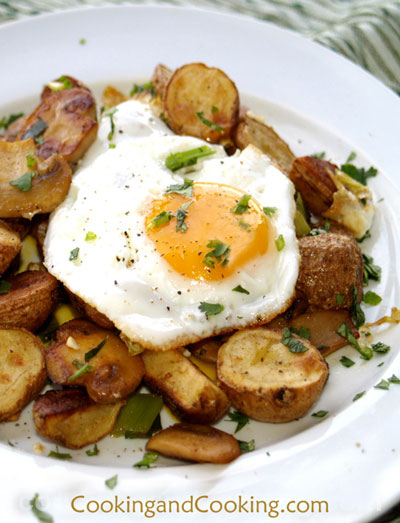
column 10, row 245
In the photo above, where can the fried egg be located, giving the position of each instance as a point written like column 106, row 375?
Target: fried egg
column 172, row 254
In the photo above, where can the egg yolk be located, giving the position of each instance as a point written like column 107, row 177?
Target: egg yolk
column 204, row 236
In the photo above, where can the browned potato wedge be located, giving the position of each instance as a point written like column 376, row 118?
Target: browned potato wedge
column 61, row 84
column 22, row 370
column 198, row 443
column 254, row 131
column 32, row 297
column 70, row 124
column 112, row 97
column 186, row 390
column 331, row 267
column 312, row 178
column 71, row 418
column 22, row 226
column 115, row 373
column 265, row 380
column 207, row 349
column 201, row 101
column 39, row 228
column 49, row 185
column 160, row 78
column 10, row 245
column 90, row 312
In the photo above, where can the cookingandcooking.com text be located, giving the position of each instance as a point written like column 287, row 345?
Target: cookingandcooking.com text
column 150, row 508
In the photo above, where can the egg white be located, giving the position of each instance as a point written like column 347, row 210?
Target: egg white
column 120, row 272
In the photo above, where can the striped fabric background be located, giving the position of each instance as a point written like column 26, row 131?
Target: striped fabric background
column 365, row 31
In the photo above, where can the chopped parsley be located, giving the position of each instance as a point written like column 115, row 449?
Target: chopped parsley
column 220, row 252
column 42, row 516
column 247, row 446
column 269, row 211
column 73, row 255
column 316, row 231
column 357, row 314
column 214, row 109
column 110, row 113
column 59, row 455
column 163, row 218
column 371, row 298
column 320, row 414
column 318, row 156
column 5, row 122
column 186, row 188
column 365, row 237
column 339, row 299
column 358, row 173
column 181, row 225
column 394, row 379
column 280, row 242
column 303, row 332
column 383, row 384
column 239, row 418
column 112, row 482
column 243, row 225
column 380, row 347
column 24, row 182
column 5, row 287
column 148, row 459
column 345, row 331
column 35, row 130
column 148, row 86
column 82, row 41
column 30, row 160
column 90, row 236
column 210, row 309
column 351, row 157
column 61, row 84
column 176, row 161
column 208, row 123
column 359, row 395
column 292, row 343
column 239, row 288
column 242, row 206
column 93, row 452
column 346, row 362
column 371, row 271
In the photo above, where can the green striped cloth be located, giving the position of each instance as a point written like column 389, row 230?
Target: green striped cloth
column 365, row 31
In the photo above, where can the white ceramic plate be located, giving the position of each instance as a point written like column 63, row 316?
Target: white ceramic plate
column 318, row 102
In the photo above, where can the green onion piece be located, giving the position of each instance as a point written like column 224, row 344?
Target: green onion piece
column 359, row 395
column 148, row 86
column 42, row 516
column 24, row 182
column 239, row 288
column 82, row 41
column 137, row 416
column 345, row 331
column 301, row 225
column 59, row 455
column 163, row 218
column 93, row 452
column 186, row 188
column 148, row 459
column 214, row 109
column 30, row 160
column 239, row 418
column 292, row 343
column 243, row 225
column 346, row 362
column 82, row 369
column 243, row 205
column 383, row 384
column 110, row 113
column 269, row 211
column 357, row 314
column 210, row 309
column 213, row 125
column 92, row 353
column 365, row 237
column 177, row 161
column 394, row 379
column 280, row 242
column 73, row 255
column 380, row 347
column 5, row 287
column 371, row 271
column 320, row 414
column 90, row 236
column 112, row 482
column 371, row 298
column 247, row 446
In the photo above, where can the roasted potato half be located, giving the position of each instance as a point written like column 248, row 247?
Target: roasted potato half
column 207, row 349
column 10, row 245
column 113, row 372
column 26, row 191
column 265, row 380
column 62, row 83
column 67, row 120
column 32, row 297
column 186, row 390
column 198, row 443
column 252, row 130
column 22, row 371
column 201, row 101
column 71, row 418
column 112, row 97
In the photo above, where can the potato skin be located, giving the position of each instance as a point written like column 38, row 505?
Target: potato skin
column 115, row 372
column 10, row 245
column 71, row 418
column 30, row 300
column 22, row 371
column 186, row 390
column 281, row 387
column 331, row 265
column 90, row 312
column 198, row 443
